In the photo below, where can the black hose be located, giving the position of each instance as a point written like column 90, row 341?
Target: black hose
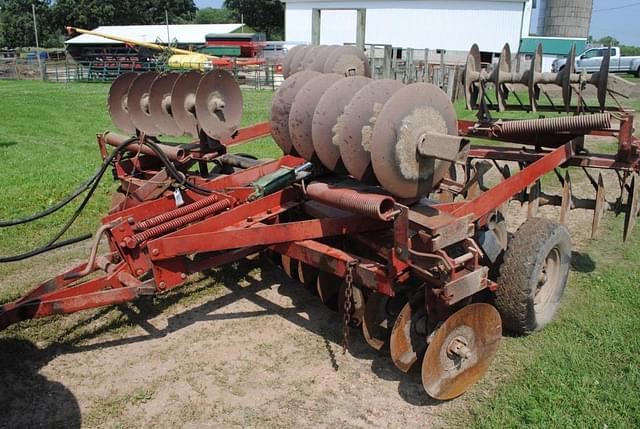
column 51, row 245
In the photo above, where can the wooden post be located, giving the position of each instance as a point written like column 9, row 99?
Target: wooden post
column 388, row 58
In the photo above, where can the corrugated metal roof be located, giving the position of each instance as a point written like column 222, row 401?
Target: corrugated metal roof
column 184, row 34
column 551, row 45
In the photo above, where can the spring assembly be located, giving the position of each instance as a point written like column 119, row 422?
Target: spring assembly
column 166, row 217
column 553, row 125
column 177, row 223
column 375, row 206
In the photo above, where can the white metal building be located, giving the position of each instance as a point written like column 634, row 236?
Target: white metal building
column 434, row 24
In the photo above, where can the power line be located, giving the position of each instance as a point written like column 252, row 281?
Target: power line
column 618, row 7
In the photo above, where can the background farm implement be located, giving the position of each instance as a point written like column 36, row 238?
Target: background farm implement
column 381, row 204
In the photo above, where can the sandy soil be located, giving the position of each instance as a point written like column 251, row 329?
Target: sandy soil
column 243, row 347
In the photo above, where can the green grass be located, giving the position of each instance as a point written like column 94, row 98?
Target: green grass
column 48, row 147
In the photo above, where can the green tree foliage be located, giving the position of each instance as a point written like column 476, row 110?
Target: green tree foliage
column 16, row 24
column 264, row 15
column 608, row 41
column 209, row 15
column 612, row 41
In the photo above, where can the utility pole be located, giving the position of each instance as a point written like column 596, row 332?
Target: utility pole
column 35, row 30
column 166, row 16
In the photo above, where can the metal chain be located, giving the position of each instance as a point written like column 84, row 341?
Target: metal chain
column 348, row 304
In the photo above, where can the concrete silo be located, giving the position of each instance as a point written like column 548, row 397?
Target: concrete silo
column 566, row 18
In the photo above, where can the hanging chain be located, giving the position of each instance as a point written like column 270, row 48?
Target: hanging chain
column 348, row 304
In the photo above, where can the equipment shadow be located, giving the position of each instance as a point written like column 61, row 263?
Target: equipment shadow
column 28, row 399
column 317, row 318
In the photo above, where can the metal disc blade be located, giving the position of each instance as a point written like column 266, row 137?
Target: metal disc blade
column 138, row 103
column 308, row 276
column 348, row 61
column 631, row 210
column 290, row 267
column 310, row 56
column 296, row 60
column 302, row 110
column 183, row 102
column 355, row 127
column 471, row 70
column 281, row 107
column 320, row 58
column 534, row 72
column 328, row 287
column 407, row 341
column 410, row 113
column 327, row 116
column 219, row 104
column 461, row 351
column 286, row 63
column 160, row 104
column 375, row 323
column 357, row 303
column 117, row 102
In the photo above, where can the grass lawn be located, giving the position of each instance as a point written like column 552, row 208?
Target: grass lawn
column 582, row 371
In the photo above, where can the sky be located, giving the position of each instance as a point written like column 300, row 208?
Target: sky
column 617, row 18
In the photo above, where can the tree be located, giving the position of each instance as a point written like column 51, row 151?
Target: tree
column 264, row 15
column 16, row 24
column 209, row 15
column 608, row 41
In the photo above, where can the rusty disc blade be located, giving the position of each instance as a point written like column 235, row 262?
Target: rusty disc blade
column 534, row 72
column 296, row 60
column 355, row 127
column 160, row 104
column 411, row 112
column 302, row 110
column 308, row 276
column 320, row 58
column 219, row 104
column 327, row 116
column 504, row 67
column 328, row 287
column 290, row 267
column 471, row 69
column 375, row 322
column 117, row 102
column 138, row 103
column 310, row 56
column 286, row 63
column 631, row 210
column 183, row 102
column 461, row 351
column 357, row 303
column 347, row 61
column 281, row 107
column 408, row 338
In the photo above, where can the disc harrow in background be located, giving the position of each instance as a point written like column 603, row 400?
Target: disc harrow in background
column 281, row 107
column 160, row 104
column 348, row 61
column 355, row 127
column 183, row 102
column 302, row 111
column 218, row 104
column 326, row 119
column 342, row 60
column 297, row 56
column 407, row 120
column 117, row 102
column 286, row 62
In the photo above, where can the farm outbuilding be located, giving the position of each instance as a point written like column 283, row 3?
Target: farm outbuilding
column 434, row 24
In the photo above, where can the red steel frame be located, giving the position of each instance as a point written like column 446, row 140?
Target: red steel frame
column 237, row 227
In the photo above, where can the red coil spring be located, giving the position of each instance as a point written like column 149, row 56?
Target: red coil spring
column 553, row 125
column 177, row 223
column 165, row 217
column 371, row 205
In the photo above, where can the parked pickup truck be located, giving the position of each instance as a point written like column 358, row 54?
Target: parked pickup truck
column 590, row 61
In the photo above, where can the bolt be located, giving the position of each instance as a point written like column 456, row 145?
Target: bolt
column 269, row 211
column 399, row 250
column 162, row 286
column 131, row 220
column 122, row 244
column 250, row 219
column 155, row 252
column 139, row 272
column 183, row 276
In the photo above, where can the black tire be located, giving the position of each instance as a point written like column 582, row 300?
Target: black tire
column 637, row 72
column 533, row 275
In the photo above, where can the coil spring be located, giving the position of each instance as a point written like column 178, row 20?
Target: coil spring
column 370, row 205
column 553, row 125
column 178, row 222
column 165, row 217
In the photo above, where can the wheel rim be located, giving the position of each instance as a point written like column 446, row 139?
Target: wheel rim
column 548, row 281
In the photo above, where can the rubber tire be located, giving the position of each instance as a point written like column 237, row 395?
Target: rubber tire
column 638, row 72
column 520, row 271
